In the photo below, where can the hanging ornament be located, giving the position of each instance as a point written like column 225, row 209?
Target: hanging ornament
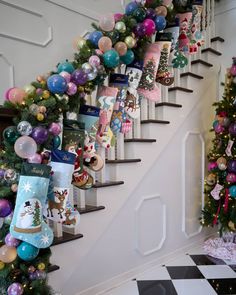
column 105, row 44
column 10, row 134
column 2, row 265
column 215, row 193
column 130, row 42
column 79, row 43
column 87, row 68
column 231, row 177
column 24, row 128
column 212, row 166
column 111, row 59
column 39, row 134
column 232, row 191
column 128, row 58
column 41, row 266
column 34, row 109
column 10, row 241
column 56, row 84
column 211, row 179
column 36, row 158
column 55, row 128
column 5, row 208
column 71, row 88
column 120, row 27
column 107, row 22
column 40, row 117
column 7, row 254
column 16, row 95
column 31, row 269
column 14, row 187
column 139, row 14
column 25, row 147
column 232, row 166
column 10, row 175
column 94, row 37
column 65, row 66
column 79, row 77
column 29, row 90
column 94, row 61
column 42, row 109
column 130, row 8
column 92, row 75
column 161, row 10
column 232, row 129
column 15, row 289
column 229, row 147
column 66, row 76
column 222, row 163
column 151, row 13
column 232, row 225
column 26, row 251
column 149, row 26
column 121, row 48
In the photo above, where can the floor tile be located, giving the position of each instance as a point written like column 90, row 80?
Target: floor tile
column 155, row 273
column 155, row 288
column 183, row 260
column 184, row 272
column 206, row 260
column 193, row 287
column 196, row 250
column 129, row 288
column 217, row 271
column 223, row 286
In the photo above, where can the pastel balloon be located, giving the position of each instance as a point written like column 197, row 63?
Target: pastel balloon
column 150, row 26
column 94, row 37
column 105, row 44
column 111, row 58
column 121, row 48
column 55, row 128
column 65, row 66
column 7, row 254
column 25, row 147
column 71, row 88
column 107, row 22
column 128, row 58
column 36, row 158
column 10, row 241
column 94, row 61
column 57, row 84
column 16, row 95
column 66, row 76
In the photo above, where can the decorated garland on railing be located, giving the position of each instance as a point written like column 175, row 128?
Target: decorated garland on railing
column 29, row 189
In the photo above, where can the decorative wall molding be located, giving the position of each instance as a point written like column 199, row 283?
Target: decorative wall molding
column 160, row 226
column 21, row 38
column 11, row 70
column 197, row 135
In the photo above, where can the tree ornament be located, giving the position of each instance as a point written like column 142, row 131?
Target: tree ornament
column 216, row 191
column 139, row 14
column 94, row 61
column 2, row 265
column 42, row 109
column 160, row 22
column 107, row 22
column 71, row 88
column 118, row 16
column 55, row 128
column 149, row 26
column 222, row 163
column 56, row 142
column 79, row 77
column 66, row 76
column 211, row 179
column 10, row 175
column 34, row 109
column 29, row 90
column 94, row 37
column 15, row 289
column 105, row 44
column 16, row 95
column 24, row 128
column 39, row 134
column 231, row 225
column 41, row 266
column 232, row 191
column 232, row 166
column 57, row 84
column 150, row 13
column 231, row 177
column 14, row 187
column 10, row 241
column 92, row 76
column 25, row 147
column 140, row 30
column 111, row 59
column 5, row 208
column 7, row 254
column 79, row 43
column 130, row 42
column 65, row 66
column 228, row 150
column 27, row 252
column 36, row 158
column 161, row 10
column 128, row 58
column 46, row 93
column 212, row 166
column 10, row 134
column 232, row 129
column 121, row 48
column 130, row 8
column 40, row 117
column 120, row 27
column 31, row 269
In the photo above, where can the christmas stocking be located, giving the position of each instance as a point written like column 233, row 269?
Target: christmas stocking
column 163, row 75
column 185, row 25
column 119, row 81
column 147, row 87
column 173, row 28
column 27, row 223
column 132, row 102
column 106, row 98
column 196, row 34
column 62, row 163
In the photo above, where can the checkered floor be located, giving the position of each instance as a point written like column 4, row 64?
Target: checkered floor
column 189, row 274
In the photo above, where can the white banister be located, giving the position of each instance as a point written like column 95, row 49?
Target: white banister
column 188, row 67
column 208, row 28
column 111, row 153
column 164, row 93
column 204, row 23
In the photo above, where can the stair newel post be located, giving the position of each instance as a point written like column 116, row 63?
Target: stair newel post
column 204, row 22
column 177, row 77
column 208, row 28
column 102, row 173
column 212, row 18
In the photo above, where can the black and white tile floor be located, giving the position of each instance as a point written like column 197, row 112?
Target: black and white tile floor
column 189, row 274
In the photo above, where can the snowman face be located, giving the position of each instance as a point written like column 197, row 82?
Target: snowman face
column 133, row 79
column 29, row 210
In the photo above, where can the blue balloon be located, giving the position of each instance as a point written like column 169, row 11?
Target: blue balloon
column 131, row 7
column 160, row 22
column 94, row 37
column 111, row 58
column 232, row 191
column 57, row 84
column 128, row 58
column 27, row 252
column 65, row 66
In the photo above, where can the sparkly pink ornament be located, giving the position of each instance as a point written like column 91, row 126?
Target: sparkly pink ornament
column 118, row 16
column 36, row 158
column 212, row 166
column 150, row 26
column 71, row 88
column 39, row 91
column 219, row 128
column 231, row 177
column 10, row 241
column 233, row 70
column 66, row 76
column 7, row 93
column 98, row 52
column 55, row 129
column 94, row 61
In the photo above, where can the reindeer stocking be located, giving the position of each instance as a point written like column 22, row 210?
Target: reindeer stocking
column 27, row 222
column 147, row 87
column 62, row 164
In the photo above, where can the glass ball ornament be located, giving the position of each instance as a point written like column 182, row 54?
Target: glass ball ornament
column 25, row 147
column 111, row 59
column 16, row 95
column 121, row 48
column 2, row 172
column 79, row 43
column 34, row 109
column 160, row 22
column 128, row 58
column 55, row 128
column 27, row 252
column 139, row 14
column 14, row 187
column 226, row 122
column 36, row 158
column 57, row 84
column 105, row 44
column 130, row 42
column 39, row 134
column 41, row 266
column 65, row 66
column 5, row 208
column 24, row 128
column 10, row 134
column 46, row 93
column 140, row 30
column 40, row 117
column 92, row 75
column 10, row 175
column 107, row 22
column 232, row 129
column 7, row 254
column 211, row 179
column 42, row 109
column 56, row 142
column 71, row 88
column 118, row 16
column 161, row 10
column 130, row 8
column 31, row 269
column 212, row 166
column 87, row 68
column 94, row 37
column 120, row 27
column 232, row 166
column 94, row 61
column 232, row 191
column 222, row 163
column 150, row 26
column 15, row 289
column 231, row 177
column 66, row 76
column 79, row 77
column 10, row 241
column 29, row 90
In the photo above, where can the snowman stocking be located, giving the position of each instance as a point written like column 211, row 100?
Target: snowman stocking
column 147, row 86
column 132, row 102
column 62, row 163
column 27, row 223
column 196, row 34
column 163, row 75
column 106, row 98
column 185, row 25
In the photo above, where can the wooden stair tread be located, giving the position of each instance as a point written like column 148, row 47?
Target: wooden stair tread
column 107, row 183
column 89, row 209
column 209, row 49
column 53, row 267
column 191, row 75
column 180, row 89
column 123, row 161
column 155, row 121
column 214, row 39
column 147, row 140
column 203, row 62
column 66, row 238
column 168, row 104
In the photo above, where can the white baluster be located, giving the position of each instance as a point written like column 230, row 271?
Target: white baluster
column 208, row 29
column 188, row 67
column 111, row 153
column 151, row 110
column 164, row 93
column 212, row 18
column 144, row 109
column 177, row 77
column 137, row 128
column 57, row 229
column 204, row 22
column 81, row 198
column 120, row 146
column 102, row 174
column 129, row 134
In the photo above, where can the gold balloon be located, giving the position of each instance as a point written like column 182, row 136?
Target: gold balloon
column 30, row 90
column 2, row 265
column 161, row 10
column 7, row 254
column 130, row 42
column 121, row 48
column 79, row 43
column 121, row 27
column 46, row 94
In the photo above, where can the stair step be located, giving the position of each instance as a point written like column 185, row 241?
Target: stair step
column 89, row 209
column 66, row 238
column 168, row 104
column 107, row 183
column 191, row 75
column 180, row 89
column 203, row 62
column 209, row 49
column 53, row 267
column 123, row 161
column 147, row 140
column 217, row 39
column 155, row 121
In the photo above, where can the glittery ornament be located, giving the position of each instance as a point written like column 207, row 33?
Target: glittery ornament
column 40, row 117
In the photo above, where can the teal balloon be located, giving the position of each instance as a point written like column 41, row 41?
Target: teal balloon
column 215, row 123
column 56, row 142
column 128, row 58
column 10, row 134
column 65, row 66
column 111, row 58
column 232, row 191
column 27, row 252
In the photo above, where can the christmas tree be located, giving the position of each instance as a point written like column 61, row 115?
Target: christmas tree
column 163, row 65
column 220, row 187
column 147, row 80
column 36, row 220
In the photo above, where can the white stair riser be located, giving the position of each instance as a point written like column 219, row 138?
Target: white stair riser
column 166, row 112
column 190, row 83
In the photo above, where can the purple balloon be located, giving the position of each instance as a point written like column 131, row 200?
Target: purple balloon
column 11, row 241
column 55, row 128
column 232, row 129
column 150, row 13
column 219, row 128
column 5, row 208
column 15, row 289
column 79, row 77
column 71, row 88
column 2, row 172
column 140, row 30
column 39, row 134
column 232, row 166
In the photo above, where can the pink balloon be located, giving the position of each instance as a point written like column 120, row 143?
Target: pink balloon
column 25, row 147
column 94, row 61
column 211, row 166
column 118, row 16
column 7, row 93
column 150, row 26
column 36, row 158
column 66, row 76
column 107, row 22
column 71, row 88
column 104, row 44
column 121, row 48
column 16, row 95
